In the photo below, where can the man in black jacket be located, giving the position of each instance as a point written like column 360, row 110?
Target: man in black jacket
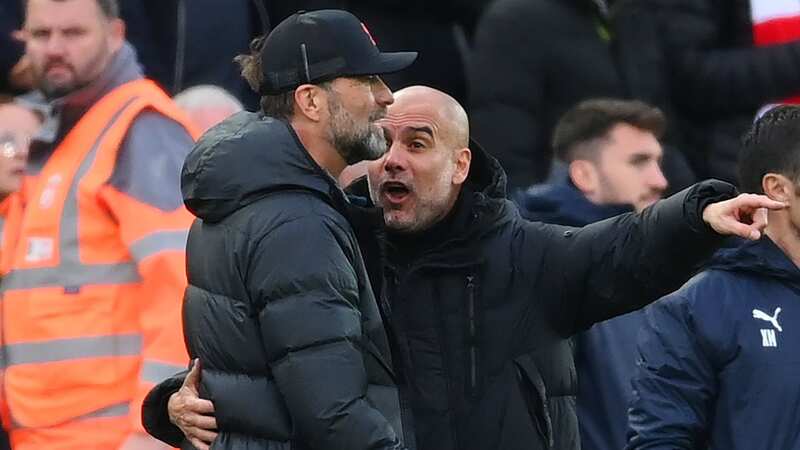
column 480, row 303
column 279, row 306
column 534, row 60
column 718, row 78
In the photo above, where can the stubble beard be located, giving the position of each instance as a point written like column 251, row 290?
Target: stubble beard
column 355, row 142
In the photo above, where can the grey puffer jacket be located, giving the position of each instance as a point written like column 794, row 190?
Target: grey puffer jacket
column 279, row 307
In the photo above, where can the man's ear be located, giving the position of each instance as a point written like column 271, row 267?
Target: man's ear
column 778, row 187
column 116, row 28
column 311, row 101
column 584, row 176
column 463, row 162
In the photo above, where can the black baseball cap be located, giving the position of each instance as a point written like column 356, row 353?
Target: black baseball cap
column 316, row 46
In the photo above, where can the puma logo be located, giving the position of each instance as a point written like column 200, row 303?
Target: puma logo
column 773, row 319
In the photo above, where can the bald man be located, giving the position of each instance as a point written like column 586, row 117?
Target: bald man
column 479, row 303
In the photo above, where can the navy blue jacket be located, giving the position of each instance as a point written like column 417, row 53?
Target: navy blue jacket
column 719, row 366
column 562, row 203
column 605, row 355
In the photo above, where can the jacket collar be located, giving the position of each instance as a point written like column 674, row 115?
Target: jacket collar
column 246, row 157
column 762, row 257
column 562, row 203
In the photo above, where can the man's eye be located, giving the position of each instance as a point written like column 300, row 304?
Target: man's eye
column 73, row 32
column 417, row 144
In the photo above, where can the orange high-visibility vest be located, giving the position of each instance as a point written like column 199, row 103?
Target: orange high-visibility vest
column 91, row 288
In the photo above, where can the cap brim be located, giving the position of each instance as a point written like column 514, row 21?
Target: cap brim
column 388, row 63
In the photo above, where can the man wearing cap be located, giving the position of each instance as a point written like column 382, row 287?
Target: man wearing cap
column 280, row 306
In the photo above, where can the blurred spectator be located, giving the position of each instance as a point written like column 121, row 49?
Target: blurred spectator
column 184, row 43
column 535, row 59
column 718, row 363
column 14, row 70
column 612, row 153
column 94, row 273
column 353, row 173
column 441, row 30
column 17, row 125
column 719, row 79
column 207, row 105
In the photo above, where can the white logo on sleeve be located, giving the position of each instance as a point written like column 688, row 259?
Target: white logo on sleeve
column 768, row 337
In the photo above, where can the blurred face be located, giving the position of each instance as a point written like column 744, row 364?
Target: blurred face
column 355, row 105
column 17, row 126
column 352, row 173
column 69, row 43
column 629, row 169
column 418, row 180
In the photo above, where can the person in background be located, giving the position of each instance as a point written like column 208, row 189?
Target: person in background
column 574, row 50
column 94, row 270
column 718, row 366
column 725, row 61
column 17, row 126
column 186, row 43
column 207, row 105
column 613, row 156
column 15, row 73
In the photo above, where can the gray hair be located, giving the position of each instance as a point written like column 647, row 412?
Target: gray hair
column 207, row 96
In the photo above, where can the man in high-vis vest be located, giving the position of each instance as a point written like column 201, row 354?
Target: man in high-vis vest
column 93, row 265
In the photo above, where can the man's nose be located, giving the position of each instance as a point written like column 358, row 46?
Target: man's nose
column 55, row 44
column 656, row 178
column 394, row 159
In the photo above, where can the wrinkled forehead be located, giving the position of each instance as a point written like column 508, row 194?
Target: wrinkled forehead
column 409, row 123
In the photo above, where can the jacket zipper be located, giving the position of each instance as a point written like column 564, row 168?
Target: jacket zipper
column 472, row 330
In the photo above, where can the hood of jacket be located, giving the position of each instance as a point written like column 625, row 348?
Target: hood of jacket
column 762, row 257
column 244, row 158
column 563, row 204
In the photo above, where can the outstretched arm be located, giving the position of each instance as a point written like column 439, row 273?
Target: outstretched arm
column 621, row 264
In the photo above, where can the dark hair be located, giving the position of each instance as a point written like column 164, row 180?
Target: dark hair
column 110, row 8
column 580, row 130
column 772, row 145
column 278, row 106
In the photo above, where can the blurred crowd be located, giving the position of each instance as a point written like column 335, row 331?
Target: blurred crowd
column 516, row 65
column 592, row 107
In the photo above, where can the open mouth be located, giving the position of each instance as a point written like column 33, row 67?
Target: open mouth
column 395, row 191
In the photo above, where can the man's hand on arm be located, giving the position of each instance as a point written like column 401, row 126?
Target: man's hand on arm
column 192, row 414
column 744, row 216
